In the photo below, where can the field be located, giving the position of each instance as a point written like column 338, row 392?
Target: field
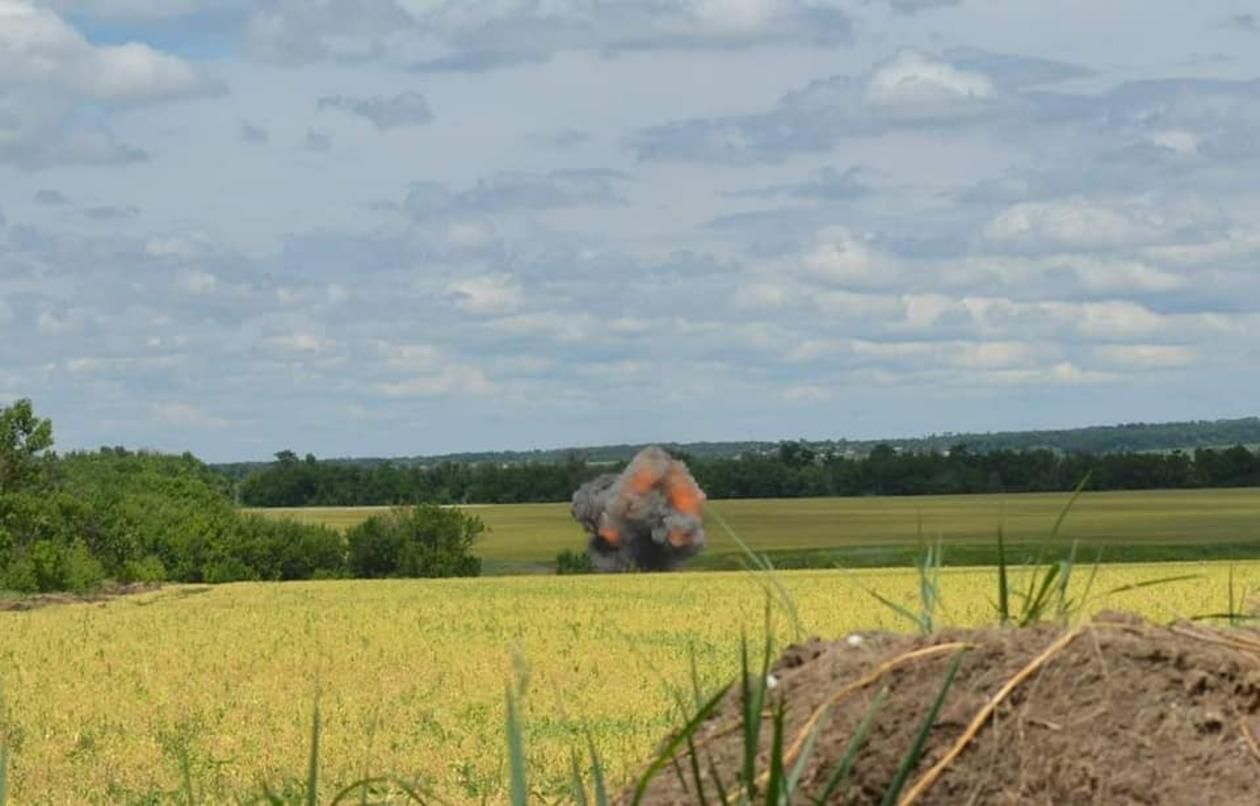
column 823, row 532
column 104, row 700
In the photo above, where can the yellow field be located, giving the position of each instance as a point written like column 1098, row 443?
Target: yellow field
column 411, row 674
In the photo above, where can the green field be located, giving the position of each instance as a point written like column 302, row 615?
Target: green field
column 821, row 532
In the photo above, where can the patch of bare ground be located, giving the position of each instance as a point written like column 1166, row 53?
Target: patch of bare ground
column 105, row 593
column 1116, row 711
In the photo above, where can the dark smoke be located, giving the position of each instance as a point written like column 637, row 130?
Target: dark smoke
column 647, row 517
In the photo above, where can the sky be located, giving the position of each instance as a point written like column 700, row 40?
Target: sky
column 401, row 227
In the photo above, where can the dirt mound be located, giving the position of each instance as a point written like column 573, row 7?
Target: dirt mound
column 1118, row 711
column 38, row 600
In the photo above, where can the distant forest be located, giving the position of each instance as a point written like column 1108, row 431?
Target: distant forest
column 792, row 470
column 1124, row 438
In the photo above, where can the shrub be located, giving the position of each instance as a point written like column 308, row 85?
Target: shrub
column 422, row 541
column 149, row 569
column 573, row 562
column 81, row 571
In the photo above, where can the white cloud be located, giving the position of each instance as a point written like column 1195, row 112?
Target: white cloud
column 489, row 295
column 1142, row 356
column 911, row 80
column 843, row 259
column 186, row 415
column 198, row 283
column 764, row 296
column 48, row 70
column 451, row 380
column 1074, row 223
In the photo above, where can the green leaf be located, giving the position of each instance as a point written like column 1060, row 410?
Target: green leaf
column 671, row 747
column 911, row 759
column 312, row 767
column 516, row 751
column 839, row 780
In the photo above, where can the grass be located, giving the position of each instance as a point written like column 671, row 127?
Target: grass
column 122, row 701
column 1144, row 526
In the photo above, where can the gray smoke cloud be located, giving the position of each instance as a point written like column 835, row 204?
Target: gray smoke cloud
column 650, row 516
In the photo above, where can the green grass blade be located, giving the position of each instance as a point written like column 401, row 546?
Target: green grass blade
column 1147, row 583
column 1063, row 513
column 516, row 751
column 597, row 772
column 312, row 764
column 579, row 785
column 696, row 775
column 1004, row 583
column 900, row 610
column 839, row 780
column 4, row 773
column 362, row 787
column 723, row 798
column 911, row 758
column 1035, row 607
column 776, row 792
column 671, row 747
column 767, row 578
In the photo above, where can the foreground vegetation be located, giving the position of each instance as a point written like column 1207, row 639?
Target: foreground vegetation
column 855, row 532
column 71, row 522
column 109, row 702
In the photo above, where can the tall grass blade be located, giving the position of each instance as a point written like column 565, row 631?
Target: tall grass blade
column 839, row 780
column 363, row 788
column 312, row 764
column 4, row 774
column 911, row 759
column 579, row 785
column 765, row 575
column 1004, row 583
column 696, row 775
column 516, row 751
column 597, row 772
column 1063, row 513
column 776, row 784
column 671, row 747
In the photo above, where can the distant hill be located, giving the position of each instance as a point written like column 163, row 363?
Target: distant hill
column 1133, row 437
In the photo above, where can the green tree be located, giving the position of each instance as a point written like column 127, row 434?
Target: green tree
column 421, row 541
column 25, row 446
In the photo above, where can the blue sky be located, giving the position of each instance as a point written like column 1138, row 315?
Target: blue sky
column 388, row 227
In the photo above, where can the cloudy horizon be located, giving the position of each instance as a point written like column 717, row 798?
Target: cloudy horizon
column 402, row 227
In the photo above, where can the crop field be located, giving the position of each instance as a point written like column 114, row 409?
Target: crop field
column 110, row 702
column 1146, row 525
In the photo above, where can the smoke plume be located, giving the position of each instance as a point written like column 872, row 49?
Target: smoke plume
column 648, row 517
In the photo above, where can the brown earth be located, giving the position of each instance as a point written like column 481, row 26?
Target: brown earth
column 1118, row 711
column 38, row 600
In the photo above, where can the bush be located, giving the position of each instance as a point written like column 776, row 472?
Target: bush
column 574, row 562
column 81, row 571
column 422, row 541
column 149, row 569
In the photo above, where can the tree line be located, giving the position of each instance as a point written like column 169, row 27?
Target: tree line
column 76, row 521
column 794, row 470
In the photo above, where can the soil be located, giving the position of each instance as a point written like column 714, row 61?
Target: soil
column 105, row 593
column 1118, row 711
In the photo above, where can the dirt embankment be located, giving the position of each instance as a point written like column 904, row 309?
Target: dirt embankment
column 1117, row 711
column 107, row 592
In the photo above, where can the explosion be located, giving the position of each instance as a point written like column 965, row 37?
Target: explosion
column 648, row 517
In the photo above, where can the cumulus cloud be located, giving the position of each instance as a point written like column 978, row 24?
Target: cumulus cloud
column 254, row 134
column 186, row 415
column 519, row 190
column 840, row 258
column 476, row 35
column 405, row 109
column 318, row 141
column 51, row 198
column 910, row 90
column 49, row 70
column 492, row 294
